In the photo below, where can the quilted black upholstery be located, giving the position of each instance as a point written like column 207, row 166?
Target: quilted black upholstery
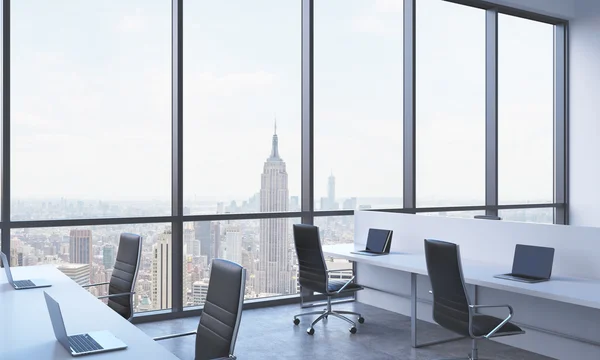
column 124, row 273
column 222, row 311
column 450, row 302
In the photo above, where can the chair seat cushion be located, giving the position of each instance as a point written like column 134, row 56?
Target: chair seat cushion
column 336, row 285
column 483, row 324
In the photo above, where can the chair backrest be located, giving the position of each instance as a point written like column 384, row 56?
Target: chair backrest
column 220, row 319
column 125, row 273
column 450, row 298
column 312, row 273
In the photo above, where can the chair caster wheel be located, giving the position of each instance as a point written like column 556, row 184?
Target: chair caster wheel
column 310, row 331
column 353, row 330
column 296, row 321
column 361, row 320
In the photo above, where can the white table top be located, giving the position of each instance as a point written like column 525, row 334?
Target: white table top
column 578, row 291
column 25, row 327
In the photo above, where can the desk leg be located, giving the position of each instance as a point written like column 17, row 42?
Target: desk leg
column 414, row 301
column 413, row 309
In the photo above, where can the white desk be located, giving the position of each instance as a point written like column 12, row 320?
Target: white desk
column 576, row 291
column 26, row 331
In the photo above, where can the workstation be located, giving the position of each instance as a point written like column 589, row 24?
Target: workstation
column 560, row 316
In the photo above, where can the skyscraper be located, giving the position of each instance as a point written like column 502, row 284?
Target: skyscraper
column 162, row 266
column 274, row 268
column 161, row 271
column 331, row 190
column 203, row 234
column 108, row 256
column 80, row 247
column 199, row 291
column 233, row 243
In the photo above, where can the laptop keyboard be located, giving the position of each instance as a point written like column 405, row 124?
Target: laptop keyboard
column 23, row 283
column 83, row 343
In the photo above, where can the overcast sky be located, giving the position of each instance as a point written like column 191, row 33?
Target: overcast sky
column 91, row 103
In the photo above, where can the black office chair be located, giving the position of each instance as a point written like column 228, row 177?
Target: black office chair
column 220, row 319
column 122, row 281
column 451, row 306
column 313, row 275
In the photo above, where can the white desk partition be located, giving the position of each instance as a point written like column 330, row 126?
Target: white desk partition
column 26, row 331
column 561, row 317
column 577, row 248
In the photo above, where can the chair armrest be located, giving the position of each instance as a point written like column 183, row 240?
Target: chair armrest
column 115, row 295
column 104, row 283
column 339, row 270
column 346, row 284
column 172, row 336
column 473, row 307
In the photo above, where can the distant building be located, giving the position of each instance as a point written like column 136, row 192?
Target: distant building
column 199, row 290
column 108, row 256
column 202, row 231
column 80, row 246
column 233, row 243
column 162, row 286
column 80, row 273
column 350, row 204
column 274, row 268
column 161, row 272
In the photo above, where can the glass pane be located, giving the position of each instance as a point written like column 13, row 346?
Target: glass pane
column 358, row 104
column 543, row 215
column 335, row 229
column 525, row 111
column 450, row 104
column 264, row 247
column 91, row 109
column 242, row 106
column 87, row 255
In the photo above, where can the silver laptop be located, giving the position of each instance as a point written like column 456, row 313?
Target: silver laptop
column 22, row 284
column 80, row 344
column 531, row 264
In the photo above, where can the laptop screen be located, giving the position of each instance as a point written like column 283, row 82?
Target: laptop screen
column 378, row 239
column 533, row 261
column 6, row 268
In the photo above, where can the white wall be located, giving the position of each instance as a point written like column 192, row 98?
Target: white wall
column 584, row 119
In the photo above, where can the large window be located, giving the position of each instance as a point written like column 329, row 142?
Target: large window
column 87, row 255
column 263, row 247
column 271, row 107
column 91, row 108
column 241, row 106
column 450, row 108
column 358, row 104
column 525, row 110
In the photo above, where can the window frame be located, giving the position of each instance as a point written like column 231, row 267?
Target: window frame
column 307, row 211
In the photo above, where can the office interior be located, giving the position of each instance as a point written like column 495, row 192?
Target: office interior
column 196, row 180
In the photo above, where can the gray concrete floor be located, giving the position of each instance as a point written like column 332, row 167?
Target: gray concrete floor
column 269, row 333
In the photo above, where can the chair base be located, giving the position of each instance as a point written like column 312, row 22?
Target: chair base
column 329, row 312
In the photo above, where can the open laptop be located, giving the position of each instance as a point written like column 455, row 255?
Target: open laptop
column 379, row 242
column 21, row 284
column 80, row 344
column 531, row 264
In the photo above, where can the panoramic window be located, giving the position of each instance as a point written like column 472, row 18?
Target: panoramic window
column 91, row 109
column 450, row 104
column 241, row 106
column 358, row 93
column 525, row 111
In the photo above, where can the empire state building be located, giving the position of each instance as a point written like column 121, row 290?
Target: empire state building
column 274, row 267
